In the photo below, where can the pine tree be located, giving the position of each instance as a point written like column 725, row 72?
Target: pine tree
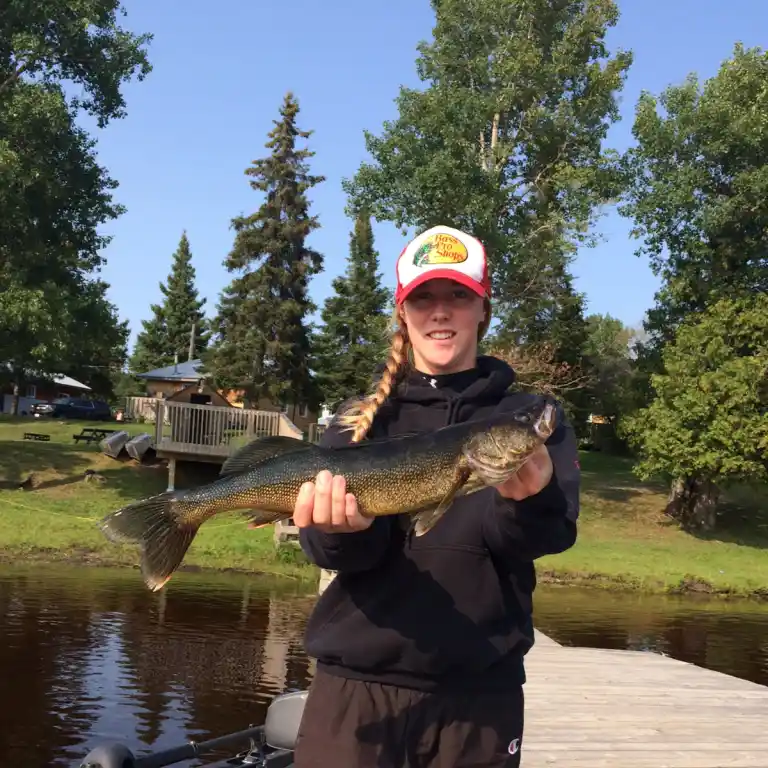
column 353, row 339
column 262, row 338
column 167, row 334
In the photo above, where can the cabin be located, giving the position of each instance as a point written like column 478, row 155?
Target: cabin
column 163, row 382
column 39, row 389
column 193, row 421
column 188, row 376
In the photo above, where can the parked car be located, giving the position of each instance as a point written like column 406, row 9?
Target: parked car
column 44, row 408
column 76, row 408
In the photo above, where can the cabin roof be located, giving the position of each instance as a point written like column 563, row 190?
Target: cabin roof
column 186, row 371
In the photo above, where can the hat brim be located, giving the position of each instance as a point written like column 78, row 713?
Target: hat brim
column 435, row 274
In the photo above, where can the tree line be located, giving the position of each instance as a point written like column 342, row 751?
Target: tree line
column 505, row 138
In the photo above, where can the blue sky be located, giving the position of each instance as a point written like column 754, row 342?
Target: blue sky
column 221, row 71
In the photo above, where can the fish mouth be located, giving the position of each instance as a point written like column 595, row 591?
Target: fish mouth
column 545, row 424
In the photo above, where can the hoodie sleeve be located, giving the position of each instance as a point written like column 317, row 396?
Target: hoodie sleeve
column 346, row 552
column 543, row 524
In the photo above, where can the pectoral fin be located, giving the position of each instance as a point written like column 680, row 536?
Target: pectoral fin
column 425, row 521
column 260, row 518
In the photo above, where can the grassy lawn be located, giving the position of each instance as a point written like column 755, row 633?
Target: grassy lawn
column 625, row 538
column 624, row 541
column 56, row 519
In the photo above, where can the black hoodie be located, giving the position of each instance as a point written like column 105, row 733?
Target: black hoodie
column 452, row 609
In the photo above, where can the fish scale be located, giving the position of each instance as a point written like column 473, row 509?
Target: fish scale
column 274, row 488
column 414, row 474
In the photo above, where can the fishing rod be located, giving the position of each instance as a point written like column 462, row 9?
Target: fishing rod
column 269, row 745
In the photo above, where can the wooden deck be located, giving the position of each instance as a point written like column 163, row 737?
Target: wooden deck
column 594, row 708
column 204, row 433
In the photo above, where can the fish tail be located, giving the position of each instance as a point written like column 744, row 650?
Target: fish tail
column 162, row 535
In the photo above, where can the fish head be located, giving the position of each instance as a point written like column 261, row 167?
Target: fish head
column 496, row 452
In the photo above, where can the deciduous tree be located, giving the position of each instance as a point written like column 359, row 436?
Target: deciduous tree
column 506, row 141
column 697, row 190
column 707, row 425
column 54, row 313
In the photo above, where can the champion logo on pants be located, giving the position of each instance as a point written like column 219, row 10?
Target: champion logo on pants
column 514, row 746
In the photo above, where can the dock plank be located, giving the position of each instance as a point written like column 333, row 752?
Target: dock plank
column 591, row 707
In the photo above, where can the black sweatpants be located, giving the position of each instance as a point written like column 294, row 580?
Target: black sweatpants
column 356, row 724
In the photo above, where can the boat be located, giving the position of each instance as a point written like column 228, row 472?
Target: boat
column 139, row 445
column 269, row 745
column 113, row 444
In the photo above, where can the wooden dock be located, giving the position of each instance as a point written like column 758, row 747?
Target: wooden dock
column 594, row 708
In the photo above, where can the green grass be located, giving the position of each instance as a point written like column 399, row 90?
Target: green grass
column 625, row 540
column 56, row 520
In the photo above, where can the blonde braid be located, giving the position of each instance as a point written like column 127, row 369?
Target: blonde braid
column 360, row 414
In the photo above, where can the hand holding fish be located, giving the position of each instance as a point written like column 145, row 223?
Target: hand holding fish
column 327, row 505
column 531, row 478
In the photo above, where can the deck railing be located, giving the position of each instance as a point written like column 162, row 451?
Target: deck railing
column 210, row 429
column 141, row 409
column 189, row 428
column 315, row 432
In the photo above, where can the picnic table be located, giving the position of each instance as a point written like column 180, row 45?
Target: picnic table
column 93, row 434
column 37, row 436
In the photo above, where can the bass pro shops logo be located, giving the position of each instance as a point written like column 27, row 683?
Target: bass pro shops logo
column 440, row 249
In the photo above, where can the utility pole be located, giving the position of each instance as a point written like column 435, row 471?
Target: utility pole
column 192, row 343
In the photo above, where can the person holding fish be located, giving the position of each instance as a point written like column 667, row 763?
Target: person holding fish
column 431, row 499
column 421, row 637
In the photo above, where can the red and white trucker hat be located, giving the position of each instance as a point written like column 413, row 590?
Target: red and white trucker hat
column 443, row 252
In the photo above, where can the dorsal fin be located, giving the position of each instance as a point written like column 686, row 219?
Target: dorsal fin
column 261, row 449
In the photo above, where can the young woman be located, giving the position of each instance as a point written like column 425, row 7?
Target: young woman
column 420, row 640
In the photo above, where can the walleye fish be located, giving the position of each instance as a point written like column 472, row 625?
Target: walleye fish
column 418, row 475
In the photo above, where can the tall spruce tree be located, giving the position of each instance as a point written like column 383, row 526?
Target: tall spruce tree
column 167, row 335
column 353, row 339
column 262, row 343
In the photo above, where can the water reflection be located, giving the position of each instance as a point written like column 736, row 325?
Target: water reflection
column 90, row 655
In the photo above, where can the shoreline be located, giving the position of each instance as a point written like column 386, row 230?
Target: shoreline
column 90, row 558
column 305, row 574
column 626, row 544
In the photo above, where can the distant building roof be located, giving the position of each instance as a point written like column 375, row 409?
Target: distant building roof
column 56, row 378
column 68, row 381
column 186, row 371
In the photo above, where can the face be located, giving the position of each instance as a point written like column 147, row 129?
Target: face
column 442, row 318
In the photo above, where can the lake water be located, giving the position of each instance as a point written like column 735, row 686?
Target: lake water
column 88, row 655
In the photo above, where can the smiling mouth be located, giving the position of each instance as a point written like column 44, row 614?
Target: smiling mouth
column 441, row 335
